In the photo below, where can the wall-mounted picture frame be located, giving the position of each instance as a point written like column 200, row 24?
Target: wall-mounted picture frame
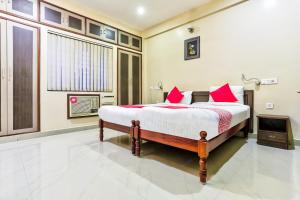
column 192, row 48
column 83, row 105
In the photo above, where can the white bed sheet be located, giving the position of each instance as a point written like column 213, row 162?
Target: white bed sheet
column 185, row 123
column 188, row 123
column 118, row 115
column 121, row 115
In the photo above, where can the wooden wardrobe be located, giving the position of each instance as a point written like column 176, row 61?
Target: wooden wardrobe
column 19, row 78
column 129, row 77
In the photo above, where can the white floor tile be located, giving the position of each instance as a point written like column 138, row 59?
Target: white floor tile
column 76, row 166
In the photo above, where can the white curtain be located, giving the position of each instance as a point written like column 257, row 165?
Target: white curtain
column 77, row 65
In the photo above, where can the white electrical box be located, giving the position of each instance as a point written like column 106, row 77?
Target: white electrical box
column 269, row 81
column 108, row 100
column 270, row 106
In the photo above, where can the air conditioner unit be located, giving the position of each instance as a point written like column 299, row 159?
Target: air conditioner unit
column 83, row 105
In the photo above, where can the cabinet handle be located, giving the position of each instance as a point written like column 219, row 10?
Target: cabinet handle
column 272, row 136
column 9, row 2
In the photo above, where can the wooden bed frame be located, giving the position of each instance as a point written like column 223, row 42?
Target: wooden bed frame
column 202, row 146
column 118, row 127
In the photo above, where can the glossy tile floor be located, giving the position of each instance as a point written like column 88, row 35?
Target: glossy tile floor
column 76, row 166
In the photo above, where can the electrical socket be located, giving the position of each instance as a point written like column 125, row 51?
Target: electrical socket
column 269, row 81
column 269, row 106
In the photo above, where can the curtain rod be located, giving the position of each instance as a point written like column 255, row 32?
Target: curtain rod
column 79, row 39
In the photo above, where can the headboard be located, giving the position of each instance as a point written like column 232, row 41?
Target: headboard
column 203, row 96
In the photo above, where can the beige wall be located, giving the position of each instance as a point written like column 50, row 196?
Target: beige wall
column 259, row 38
column 53, row 105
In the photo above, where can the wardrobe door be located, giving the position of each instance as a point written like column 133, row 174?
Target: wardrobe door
column 109, row 34
column 124, row 39
column 129, row 78
column 3, row 81
column 22, row 51
column 74, row 22
column 52, row 15
column 123, row 78
column 136, row 43
column 24, row 8
column 93, row 29
column 136, row 78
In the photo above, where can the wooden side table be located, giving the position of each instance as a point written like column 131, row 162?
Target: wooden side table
column 273, row 130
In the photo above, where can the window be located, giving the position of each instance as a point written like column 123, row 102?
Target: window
column 78, row 65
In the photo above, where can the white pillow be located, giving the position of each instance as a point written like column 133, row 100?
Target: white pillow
column 238, row 92
column 187, row 99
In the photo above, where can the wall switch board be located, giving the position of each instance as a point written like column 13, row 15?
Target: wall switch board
column 270, row 106
column 269, row 81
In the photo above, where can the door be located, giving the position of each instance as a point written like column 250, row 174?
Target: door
column 22, row 78
column 74, row 22
column 109, row 34
column 136, row 43
column 129, row 78
column 3, row 81
column 124, row 39
column 94, row 29
column 123, row 76
column 136, row 74
column 24, row 8
column 52, row 15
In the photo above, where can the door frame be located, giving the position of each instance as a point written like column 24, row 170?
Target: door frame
column 118, row 66
column 3, row 79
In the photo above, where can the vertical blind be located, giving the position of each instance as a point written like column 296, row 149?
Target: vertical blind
column 78, row 65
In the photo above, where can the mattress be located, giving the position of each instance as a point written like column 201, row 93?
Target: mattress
column 188, row 123
column 185, row 122
column 118, row 115
column 121, row 115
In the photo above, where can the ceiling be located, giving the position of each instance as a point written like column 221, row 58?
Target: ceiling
column 125, row 11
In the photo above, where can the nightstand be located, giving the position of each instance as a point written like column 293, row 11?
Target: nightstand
column 273, row 130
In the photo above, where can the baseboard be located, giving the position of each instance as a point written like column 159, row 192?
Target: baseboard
column 69, row 130
column 14, row 138
column 297, row 142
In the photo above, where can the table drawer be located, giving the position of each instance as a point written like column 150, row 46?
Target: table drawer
column 272, row 136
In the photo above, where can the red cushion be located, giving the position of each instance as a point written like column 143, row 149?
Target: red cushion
column 175, row 96
column 223, row 94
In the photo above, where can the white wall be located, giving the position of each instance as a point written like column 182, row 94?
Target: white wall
column 259, row 38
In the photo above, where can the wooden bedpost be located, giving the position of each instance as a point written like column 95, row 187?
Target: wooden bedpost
column 132, row 137
column 203, row 154
column 137, row 138
column 246, row 129
column 101, row 130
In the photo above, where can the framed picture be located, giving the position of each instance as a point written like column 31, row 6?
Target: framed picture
column 192, row 48
column 83, row 105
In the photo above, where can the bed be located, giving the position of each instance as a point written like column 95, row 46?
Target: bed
column 203, row 145
column 134, row 122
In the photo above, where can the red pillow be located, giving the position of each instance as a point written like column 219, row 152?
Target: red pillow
column 223, row 94
column 175, row 95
